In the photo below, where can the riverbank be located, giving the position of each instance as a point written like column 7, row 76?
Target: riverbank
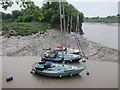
column 110, row 19
column 32, row 45
column 103, row 23
column 24, row 28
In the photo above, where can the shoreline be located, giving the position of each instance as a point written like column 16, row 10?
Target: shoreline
column 103, row 52
column 32, row 45
column 104, row 23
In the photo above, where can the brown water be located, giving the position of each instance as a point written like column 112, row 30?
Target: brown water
column 105, row 34
column 102, row 75
column 0, row 72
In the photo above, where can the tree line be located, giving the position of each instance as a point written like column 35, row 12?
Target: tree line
column 49, row 12
column 107, row 17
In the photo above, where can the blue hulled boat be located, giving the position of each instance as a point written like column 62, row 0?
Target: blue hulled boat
column 55, row 70
column 57, row 56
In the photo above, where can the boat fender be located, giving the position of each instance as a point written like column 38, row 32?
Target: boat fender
column 70, row 60
column 60, row 76
column 71, row 75
column 9, row 78
column 31, row 71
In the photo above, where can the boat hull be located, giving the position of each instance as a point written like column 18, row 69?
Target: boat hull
column 52, row 59
column 60, row 60
column 56, row 70
column 58, row 74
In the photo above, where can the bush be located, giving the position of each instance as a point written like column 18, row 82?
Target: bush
column 27, row 28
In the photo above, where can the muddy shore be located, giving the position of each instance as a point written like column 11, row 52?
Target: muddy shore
column 103, row 23
column 32, row 45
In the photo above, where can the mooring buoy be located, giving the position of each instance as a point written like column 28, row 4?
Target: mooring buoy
column 9, row 78
column 60, row 76
column 71, row 75
column 88, row 73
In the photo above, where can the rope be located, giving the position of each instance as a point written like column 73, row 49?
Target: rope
column 79, row 45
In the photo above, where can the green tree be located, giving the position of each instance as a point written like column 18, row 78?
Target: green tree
column 6, row 16
column 32, row 13
column 16, row 13
column 51, row 12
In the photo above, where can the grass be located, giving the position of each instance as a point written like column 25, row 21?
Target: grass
column 104, row 20
column 25, row 28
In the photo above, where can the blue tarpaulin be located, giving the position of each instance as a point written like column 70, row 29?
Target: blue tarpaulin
column 48, row 64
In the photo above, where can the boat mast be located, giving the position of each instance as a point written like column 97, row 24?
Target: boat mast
column 79, row 45
column 50, row 41
column 60, row 16
column 63, row 17
column 65, row 38
column 61, row 28
column 68, row 25
column 77, row 25
column 71, row 24
column 77, row 39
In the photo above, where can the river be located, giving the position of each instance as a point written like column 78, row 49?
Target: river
column 102, row 75
column 105, row 34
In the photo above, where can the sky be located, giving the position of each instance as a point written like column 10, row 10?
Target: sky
column 102, row 9
column 90, row 8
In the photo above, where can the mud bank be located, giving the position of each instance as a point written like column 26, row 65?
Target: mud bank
column 33, row 45
column 103, row 23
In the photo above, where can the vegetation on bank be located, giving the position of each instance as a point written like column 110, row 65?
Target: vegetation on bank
column 108, row 19
column 28, row 20
column 25, row 28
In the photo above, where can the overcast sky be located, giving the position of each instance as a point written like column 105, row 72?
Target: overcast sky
column 90, row 8
column 102, row 9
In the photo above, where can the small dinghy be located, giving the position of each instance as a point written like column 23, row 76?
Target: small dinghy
column 55, row 70
column 69, row 50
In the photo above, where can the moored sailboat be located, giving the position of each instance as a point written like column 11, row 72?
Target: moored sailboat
column 56, row 70
column 56, row 56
